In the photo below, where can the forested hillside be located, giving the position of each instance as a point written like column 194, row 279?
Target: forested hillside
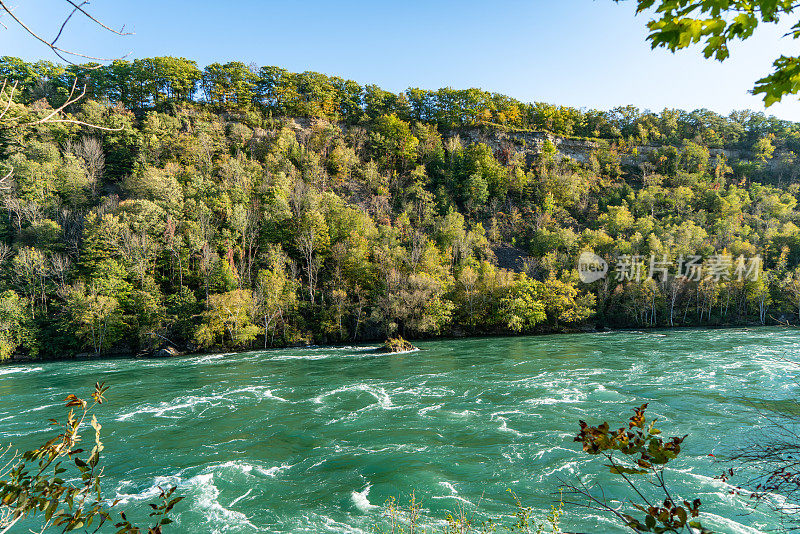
column 235, row 207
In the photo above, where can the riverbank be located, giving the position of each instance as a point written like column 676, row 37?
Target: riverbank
column 377, row 343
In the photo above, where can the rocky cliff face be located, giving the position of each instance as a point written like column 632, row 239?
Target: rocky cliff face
column 530, row 144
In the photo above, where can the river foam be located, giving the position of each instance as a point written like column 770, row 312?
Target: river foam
column 315, row 440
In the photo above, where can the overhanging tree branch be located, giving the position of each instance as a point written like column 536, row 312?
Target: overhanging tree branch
column 56, row 115
column 713, row 25
column 10, row 97
column 63, row 53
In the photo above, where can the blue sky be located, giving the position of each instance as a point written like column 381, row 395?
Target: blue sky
column 582, row 53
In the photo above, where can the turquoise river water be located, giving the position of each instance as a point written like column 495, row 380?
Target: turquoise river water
column 317, row 439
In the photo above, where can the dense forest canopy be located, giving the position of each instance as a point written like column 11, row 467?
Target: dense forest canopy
column 244, row 207
column 144, row 84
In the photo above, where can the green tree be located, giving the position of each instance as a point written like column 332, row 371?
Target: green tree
column 229, row 85
column 394, row 140
column 523, row 308
column 228, row 321
column 564, row 304
column 96, row 319
column 14, row 328
column 30, row 271
column 275, row 296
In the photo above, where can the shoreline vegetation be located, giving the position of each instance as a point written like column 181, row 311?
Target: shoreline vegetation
column 233, row 208
column 375, row 345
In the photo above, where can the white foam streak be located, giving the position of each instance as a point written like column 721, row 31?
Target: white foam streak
column 453, row 493
column 192, row 402
column 237, row 499
column 729, row 525
column 19, row 370
column 202, row 493
column 361, row 501
column 215, row 513
column 248, row 469
column 383, row 399
column 422, row 411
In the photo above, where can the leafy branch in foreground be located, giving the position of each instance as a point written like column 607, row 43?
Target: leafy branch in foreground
column 60, row 484
column 641, row 451
column 713, row 24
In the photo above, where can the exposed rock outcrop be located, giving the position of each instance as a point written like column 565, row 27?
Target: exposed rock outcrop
column 166, row 352
column 530, row 144
column 394, row 345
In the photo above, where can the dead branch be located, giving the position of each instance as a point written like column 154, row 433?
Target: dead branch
column 54, row 117
column 10, row 97
column 64, row 53
column 4, row 180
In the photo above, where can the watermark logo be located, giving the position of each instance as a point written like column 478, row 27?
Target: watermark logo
column 695, row 268
column 591, row 267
